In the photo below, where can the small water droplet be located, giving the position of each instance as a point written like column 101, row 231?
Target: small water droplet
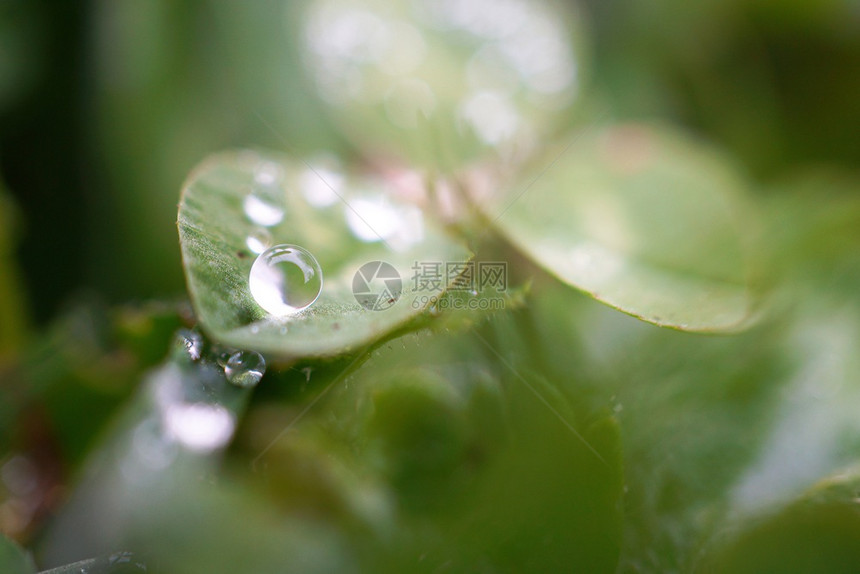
column 262, row 212
column 245, row 368
column 285, row 279
column 259, row 240
column 191, row 342
column 267, row 173
column 284, row 330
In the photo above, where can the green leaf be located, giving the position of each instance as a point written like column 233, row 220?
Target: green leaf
column 818, row 532
column 438, row 85
column 181, row 419
column 814, row 230
column 13, row 558
column 448, row 459
column 153, row 488
column 642, row 219
column 353, row 223
column 717, row 431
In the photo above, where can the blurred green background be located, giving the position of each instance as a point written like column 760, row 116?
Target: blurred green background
column 105, row 107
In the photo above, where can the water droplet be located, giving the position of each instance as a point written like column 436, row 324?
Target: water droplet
column 245, row 368
column 259, row 240
column 307, row 372
column 261, row 211
column 191, row 342
column 285, row 279
column 223, row 355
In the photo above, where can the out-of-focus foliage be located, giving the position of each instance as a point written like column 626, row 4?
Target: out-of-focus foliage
column 640, row 218
column 556, row 434
column 13, row 559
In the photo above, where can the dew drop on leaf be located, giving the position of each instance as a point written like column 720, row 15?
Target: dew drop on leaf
column 245, row 368
column 261, row 211
column 191, row 342
column 259, row 240
column 285, row 279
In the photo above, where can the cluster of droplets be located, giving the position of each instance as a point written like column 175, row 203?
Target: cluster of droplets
column 262, row 203
column 284, row 278
column 493, row 66
column 241, row 368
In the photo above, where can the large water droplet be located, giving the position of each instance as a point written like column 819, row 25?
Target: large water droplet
column 285, row 279
column 245, row 368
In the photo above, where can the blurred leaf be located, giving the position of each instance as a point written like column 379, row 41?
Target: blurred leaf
column 361, row 223
column 435, row 456
column 183, row 415
column 717, row 431
column 814, row 232
column 13, row 558
column 692, row 410
column 642, row 219
column 153, row 488
column 819, row 532
column 441, row 84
